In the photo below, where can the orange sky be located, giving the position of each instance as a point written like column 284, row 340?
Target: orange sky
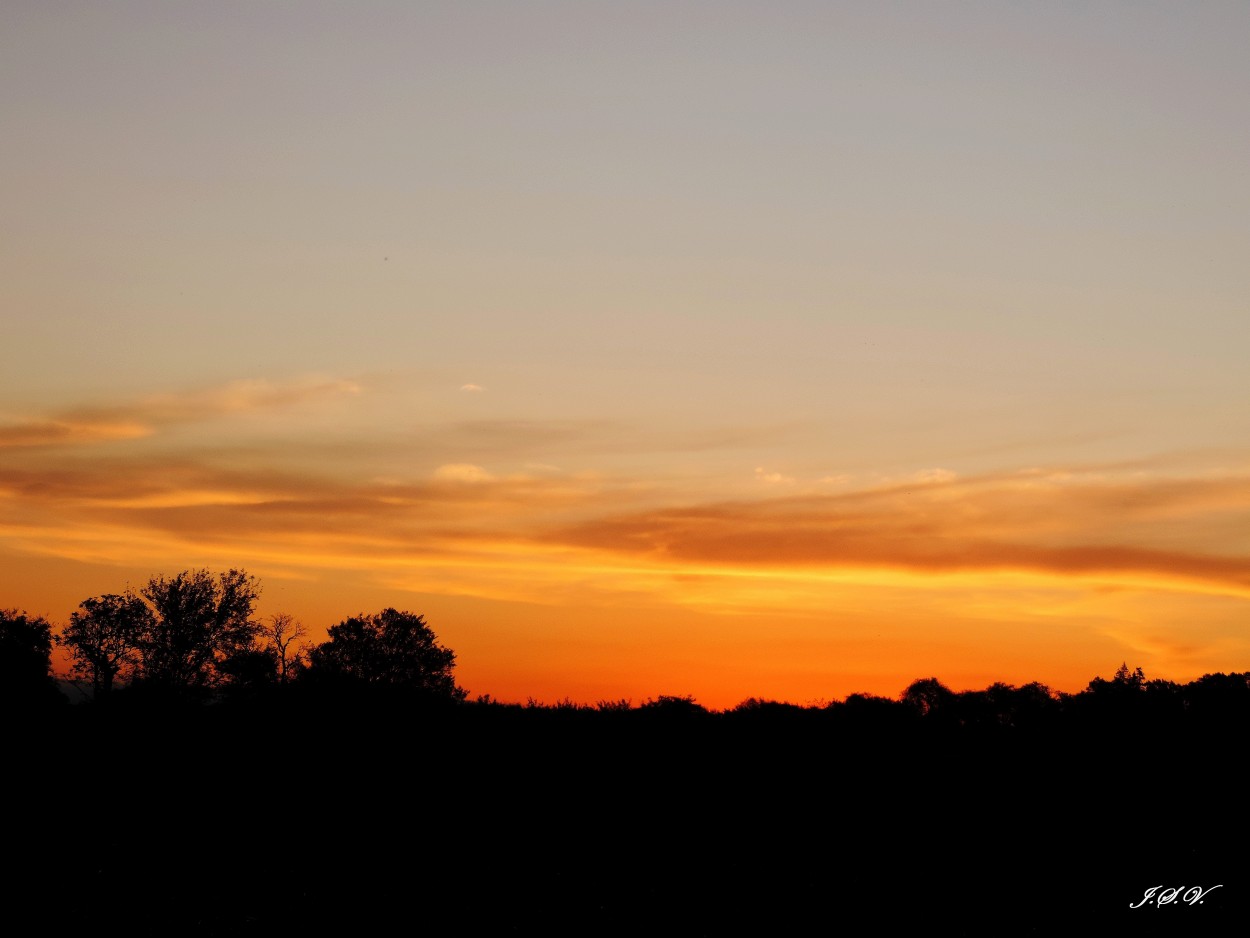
column 592, row 585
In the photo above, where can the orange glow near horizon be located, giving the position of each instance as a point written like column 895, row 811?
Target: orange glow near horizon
column 591, row 587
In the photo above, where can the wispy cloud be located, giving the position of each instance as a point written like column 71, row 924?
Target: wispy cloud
column 149, row 415
column 70, row 430
column 772, row 478
column 477, row 503
column 538, row 440
column 1131, row 528
column 1092, row 550
column 462, row 472
column 1146, row 529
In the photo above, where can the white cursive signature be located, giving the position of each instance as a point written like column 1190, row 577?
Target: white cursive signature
column 1166, row 895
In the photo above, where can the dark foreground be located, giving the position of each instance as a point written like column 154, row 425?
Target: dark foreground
column 374, row 819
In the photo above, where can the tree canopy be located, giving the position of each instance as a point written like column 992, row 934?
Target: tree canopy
column 391, row 648
column 102, row 638
column 199, row 621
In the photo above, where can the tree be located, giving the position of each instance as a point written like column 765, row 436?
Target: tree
column 390, row 648
column 26, row 660
column 248, row 670
column 199, row 621
column 1130, row 680
column 1019, row 706
column 102, row 638
column 928, row 696
column 281, row 632
column 1125, row 685
column 674, row 705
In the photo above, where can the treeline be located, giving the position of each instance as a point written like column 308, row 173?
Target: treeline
column 193, row 638
column 1126, row 705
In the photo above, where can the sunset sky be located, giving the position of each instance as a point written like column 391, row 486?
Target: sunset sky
column 786, row 350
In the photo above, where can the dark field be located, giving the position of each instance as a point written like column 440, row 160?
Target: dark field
column 373, row 816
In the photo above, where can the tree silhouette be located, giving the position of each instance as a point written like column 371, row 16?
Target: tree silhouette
column 248, row 669
column 282, row 631
column 674, row 705
column 26, row 660
column 390, row 648
column 1007, row 705
column 1133, row 680
column 928, row 696
column 200, row 620
column 102, row 638
column 1125, row 685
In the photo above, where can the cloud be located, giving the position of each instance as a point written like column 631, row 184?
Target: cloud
column 772, row 478
column 428, row 497
column 929, row 476
column 149, row 415
column 1116, row 556
column 1145, row 530
column 462, row 472
column 535, row 440
column 839, row 479
column 472, row 387
column 188, row 500
column 70, row 431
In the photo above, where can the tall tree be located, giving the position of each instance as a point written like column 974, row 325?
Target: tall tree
column 281, row 632
column 103, row 637
column 199, row 620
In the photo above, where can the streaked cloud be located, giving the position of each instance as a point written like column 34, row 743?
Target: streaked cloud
column 148, row 415
column 772, row 478
column 1144, row 530
column 540, row 440
column 1095, row 551
column 838, row 479
column 1113, row 553
column 69, row 431
column 1135, row 528
column 462, row 472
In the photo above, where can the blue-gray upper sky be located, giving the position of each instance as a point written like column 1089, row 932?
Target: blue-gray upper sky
column 725, row 201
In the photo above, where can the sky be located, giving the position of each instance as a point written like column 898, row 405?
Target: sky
column 783, row 350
